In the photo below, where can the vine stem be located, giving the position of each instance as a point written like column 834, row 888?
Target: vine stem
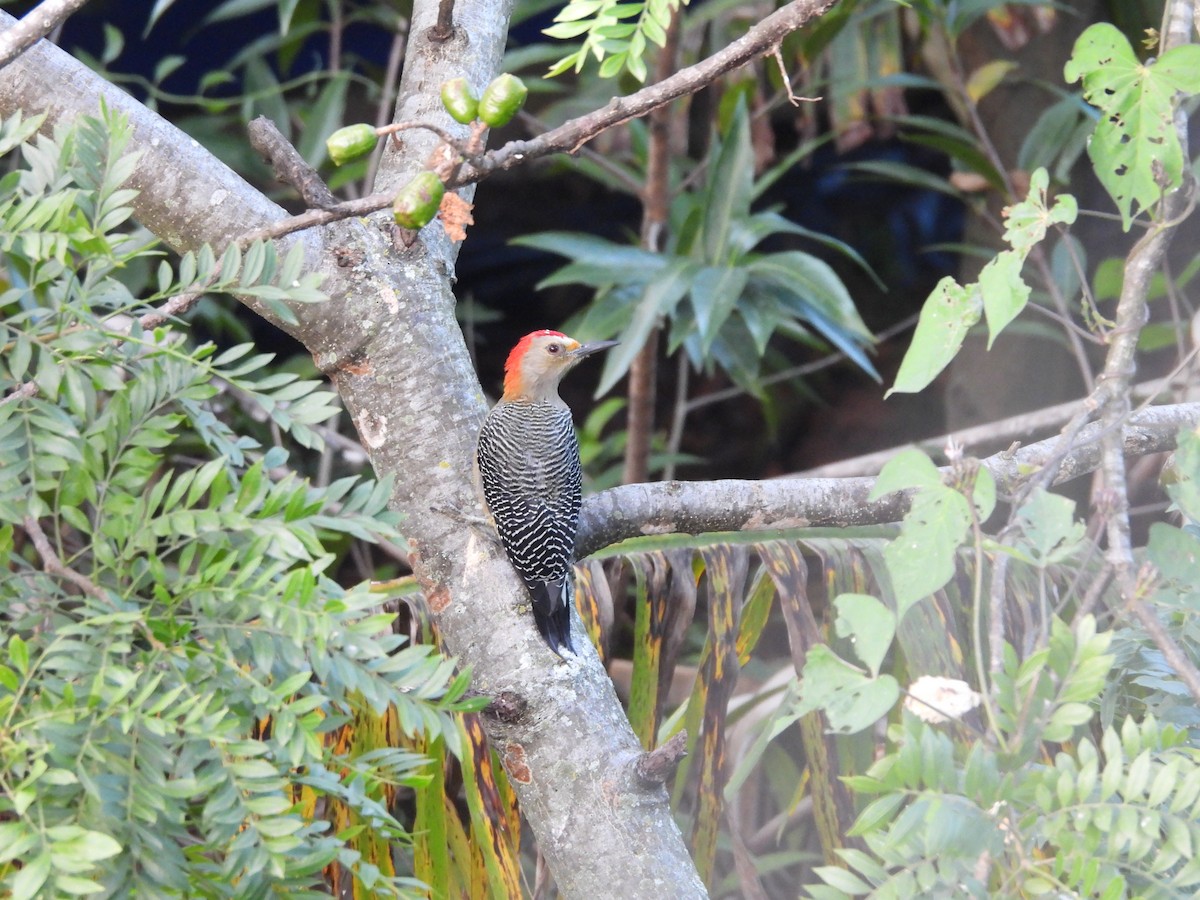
column 1113, row 386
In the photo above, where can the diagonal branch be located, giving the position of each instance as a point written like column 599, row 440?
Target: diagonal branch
column 569, row 137
column 54, row 566
column 687, row 507
column 759, row 40
column 36, row 24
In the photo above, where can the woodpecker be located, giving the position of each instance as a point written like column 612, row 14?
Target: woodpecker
column 528, row 462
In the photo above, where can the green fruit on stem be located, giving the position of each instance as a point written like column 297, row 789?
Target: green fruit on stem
column 502, row 99
column 418, row 201
column 459, row 101
column 351, row 142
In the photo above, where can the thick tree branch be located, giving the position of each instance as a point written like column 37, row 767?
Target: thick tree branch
column 687, row 507
column 186, row 196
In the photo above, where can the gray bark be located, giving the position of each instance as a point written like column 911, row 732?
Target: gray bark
column 389, row 340
column 693, row 507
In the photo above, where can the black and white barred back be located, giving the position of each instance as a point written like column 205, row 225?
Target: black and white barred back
column 528, row 459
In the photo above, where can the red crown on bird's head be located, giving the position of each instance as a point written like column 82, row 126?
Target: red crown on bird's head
column 514, row 356
column 512, row 366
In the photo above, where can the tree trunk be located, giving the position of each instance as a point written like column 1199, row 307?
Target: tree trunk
column 388, row 339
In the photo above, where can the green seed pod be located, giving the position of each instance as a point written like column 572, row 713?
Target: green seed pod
column 502, row 99
column 350, row 143
column 459, row 101
column 418, row 201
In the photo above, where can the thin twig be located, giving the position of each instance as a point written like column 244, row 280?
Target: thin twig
column 53, row 565
column 442, row 30
column 337, row 34
column 787, row 81
column 174, row 307
column 990, row 433
column 573, row 134
column 35, row 25
column 20, row 392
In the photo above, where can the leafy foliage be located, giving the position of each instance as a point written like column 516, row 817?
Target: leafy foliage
column 1000, row 293
column 614, row 33
column 1136, row 147
column 175, row 652
column 1109, row 818
column 1064, row 782
column 724, row 301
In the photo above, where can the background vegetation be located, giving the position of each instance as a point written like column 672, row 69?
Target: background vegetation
column 218, row 678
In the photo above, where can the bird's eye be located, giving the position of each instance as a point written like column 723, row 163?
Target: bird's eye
column 553, row 348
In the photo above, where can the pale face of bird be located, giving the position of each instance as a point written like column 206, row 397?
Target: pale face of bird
column 541, row 359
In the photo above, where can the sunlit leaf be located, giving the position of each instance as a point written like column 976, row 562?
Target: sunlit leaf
column 1135, row 148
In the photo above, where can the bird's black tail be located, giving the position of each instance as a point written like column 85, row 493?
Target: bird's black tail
column 552, row 601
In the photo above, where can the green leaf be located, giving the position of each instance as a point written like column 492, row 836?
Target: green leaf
column 596, row 251
column 987, row 78
column 729, row 190
column 1049, row 530
column 664, row 290
column 814, row 280
column 922, row 559
column 1184, row 489
column 1027, row 222
column 851, row 700
column 1004, row 293
column 910, row 468
column 946, row 317
column 868, row 624
column 18, row 654
column 1135, row 148
column 27, row 883
column 322, row 118
column 844, row 881
column 715, row 291
column 1175, row 554
column 913, row 176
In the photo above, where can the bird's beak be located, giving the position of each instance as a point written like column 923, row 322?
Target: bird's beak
column 584, row 350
